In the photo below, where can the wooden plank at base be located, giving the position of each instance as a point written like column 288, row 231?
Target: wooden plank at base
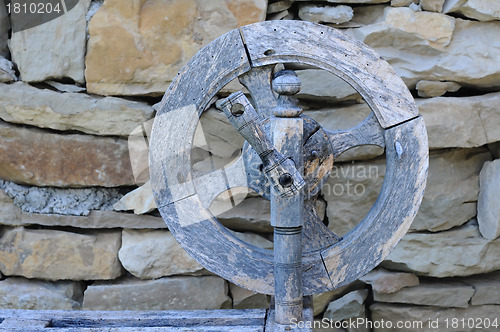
column 196, row 320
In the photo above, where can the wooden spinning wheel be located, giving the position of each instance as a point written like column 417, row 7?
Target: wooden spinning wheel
column 250, row 53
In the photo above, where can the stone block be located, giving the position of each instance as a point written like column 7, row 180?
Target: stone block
column 348, row 306
column 431, row 293
column 246, row 299
column 21, row 293
column 41, row 158
column 326, row 14
column 138, row 49
column 60, row 255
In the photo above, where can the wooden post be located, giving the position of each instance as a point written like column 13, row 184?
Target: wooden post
column 286, row 212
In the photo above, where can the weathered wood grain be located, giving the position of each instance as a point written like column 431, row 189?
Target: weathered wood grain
column 258, row 83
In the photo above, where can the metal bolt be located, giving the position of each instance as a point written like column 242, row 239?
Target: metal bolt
column 286, row 180
column 237, row 109
column 314, row 153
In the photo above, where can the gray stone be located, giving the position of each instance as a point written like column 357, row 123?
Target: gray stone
column 173, row 293
column 429, row 319
column 22, row 103
column 487, row 288
column 253, row 239
column 457, row 252
column 402, row 3
column 428, row 89
column 47, row 200
column 51, row 50
column 326, row 14
column 322, row 300
column 246, row 299
column 155, row 254
column 433, row 293
column 60, row 255
column 481, row 10
column 7, row 73
column 279, row 6
column 386, row 282
column 253, row 214
column 488, row 209
column 21, row 293
column 430, row 47
column 461, row 122
column 432, row 5
column 348, row 306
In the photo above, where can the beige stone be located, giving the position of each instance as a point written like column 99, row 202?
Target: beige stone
column 24, row 104
column 7, row 73
column 429, row 319
column 40, row 158
column 342, row 118
column 139, row 200
column 481, row 10
column 457, row 252
column 452, row 189
column 433, row 293
column 429, row 46
column 322, row 300
column 486, row 287
column 326, row 14
column 20, row 293
column 155, row 254
column 279, row 6
column 60, row 255
column 432, row 5
column 174, row 293
column 246, row 299
column 137, row 48
column 435, row 88
column 348, row 306
column 488, row 209
column 386, row 282
column 55, row 49
column 318, row 84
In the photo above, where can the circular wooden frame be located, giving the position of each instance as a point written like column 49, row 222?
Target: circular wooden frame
column 266, row 43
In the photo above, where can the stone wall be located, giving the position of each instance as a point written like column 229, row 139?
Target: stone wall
column 80, row 229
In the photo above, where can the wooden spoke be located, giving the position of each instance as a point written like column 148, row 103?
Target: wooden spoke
column 369, row 132
column 258, row 83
